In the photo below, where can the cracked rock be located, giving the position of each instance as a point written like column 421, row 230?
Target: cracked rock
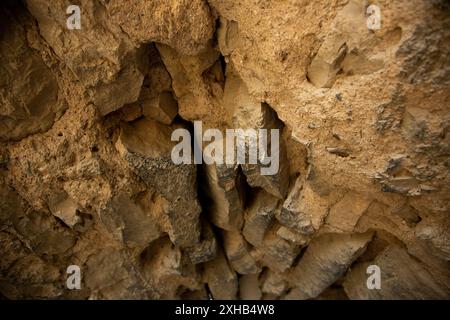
column 326, row 259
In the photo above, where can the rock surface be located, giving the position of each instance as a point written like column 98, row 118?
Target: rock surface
column 87, row 177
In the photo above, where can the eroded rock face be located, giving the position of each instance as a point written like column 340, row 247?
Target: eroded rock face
column 146, row 145
column 28, row 104
column 87, row 177
column 326, row 259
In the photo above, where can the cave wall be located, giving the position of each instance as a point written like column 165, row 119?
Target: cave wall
column 86, row 176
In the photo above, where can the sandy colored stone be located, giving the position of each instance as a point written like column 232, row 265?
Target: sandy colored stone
column 258, row 217
column 86, row 177
column 249, row 287
column 28, row 104
column 238, row 254
column 326, row 259
column 276, row 253
column 402, row 277
column 146, row 145
column 224, row 186
column 221, row 279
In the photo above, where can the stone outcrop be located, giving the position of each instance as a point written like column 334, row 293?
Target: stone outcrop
column 357, row 208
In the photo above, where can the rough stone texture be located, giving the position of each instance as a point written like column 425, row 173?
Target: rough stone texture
column 326, row 259
column 86, row 176
column 275, row 252
column 28, row 104
column 221, row 279
column 259, row 217
column 145, row 144
column 238, row 253
column 223, row 186
column 408, row 278
column 249, row 287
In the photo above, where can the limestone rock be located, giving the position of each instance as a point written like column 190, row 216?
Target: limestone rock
column 273, row 283
column 237, row 251
column 277, row 253
column 224, row 187
column 206, row 250
column 292, row 236
column 87, row 179
column 250, row 114
column 147, row 147
column 326, row 259
column 341, row 51
column 249, row 287
column 221, row 279
column 191, row 22
column 164, row 108
column 345, row 214
column 258, row 217
column 64, row 208
column 291, row 215
column 402, row 277
column 31, row 100
column 197, row 95
column 130, row 222
column 167, row 269
column 100, row 55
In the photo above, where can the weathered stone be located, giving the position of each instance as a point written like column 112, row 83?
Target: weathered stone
column 192, row 88
column 249, row 287
column 206, row 250
column 435, row 233
column 292, row 236
column 224, row 187
column 191, row 22
column 163, row 108
column 401, row 277
column 147, row 147
column 38, row 232
column 64, row 208
column 363, row 118
column 251, row 114
column 273, row 283
column 101, row 56
column 258, row 217
column 338, row 52
column 221, row 279
column 345, row 214
column 167, row 269
column 32, row 103
column 277, row 253
column 291, row 215
column 110, row 275
column 227, row 36
column 326, row 259
column 129, row 222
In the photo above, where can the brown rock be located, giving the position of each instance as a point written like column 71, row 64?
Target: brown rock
column 249, row 287
column 258, row 217
column 224, row 187
column 28, row 104
column 326, row 259
column 238, row 253
column 221, row 279
column 401, row 277
column 147, row 147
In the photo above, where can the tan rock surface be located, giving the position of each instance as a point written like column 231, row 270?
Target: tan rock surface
column 87, row 179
